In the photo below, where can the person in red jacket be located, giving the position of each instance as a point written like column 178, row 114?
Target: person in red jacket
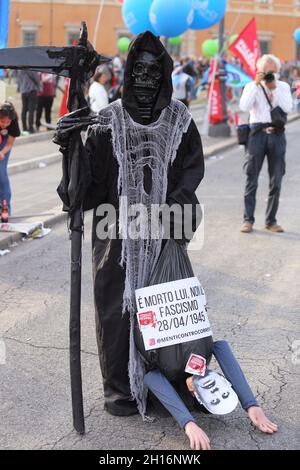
column 45, row 98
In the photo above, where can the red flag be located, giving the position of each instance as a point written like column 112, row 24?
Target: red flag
column 246, row 48
column 63, row 107
column 216, row 111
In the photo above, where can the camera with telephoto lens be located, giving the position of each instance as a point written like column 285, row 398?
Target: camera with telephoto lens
column 269, row 77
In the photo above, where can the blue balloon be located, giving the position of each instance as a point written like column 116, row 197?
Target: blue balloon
column 207, row 13
column 136, row 15
column 171, row 17
column 297, row 35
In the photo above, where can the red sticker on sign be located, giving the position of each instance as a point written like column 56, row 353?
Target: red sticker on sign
column 147, row 319
column 196, row 365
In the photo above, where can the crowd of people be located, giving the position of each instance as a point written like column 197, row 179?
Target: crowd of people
column 190, row 79
column 37, row 92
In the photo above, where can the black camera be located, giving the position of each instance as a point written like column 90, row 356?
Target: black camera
column 269, row 77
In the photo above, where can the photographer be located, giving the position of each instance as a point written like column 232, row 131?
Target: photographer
column 268, row 100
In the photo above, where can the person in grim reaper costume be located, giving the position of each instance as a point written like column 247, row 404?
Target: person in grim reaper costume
column 143, row 149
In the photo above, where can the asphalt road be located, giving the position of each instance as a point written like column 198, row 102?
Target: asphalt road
column 252, row 286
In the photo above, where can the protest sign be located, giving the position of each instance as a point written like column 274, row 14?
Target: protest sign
column 172, row 313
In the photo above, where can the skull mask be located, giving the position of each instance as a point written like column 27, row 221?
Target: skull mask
column 147, row 76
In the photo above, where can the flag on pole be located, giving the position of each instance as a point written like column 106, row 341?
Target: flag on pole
column 236, row 78
column 215, row 111
column 4, row 22
column 63, row 106
column 246, row 48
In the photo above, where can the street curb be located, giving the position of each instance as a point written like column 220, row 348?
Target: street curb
column 196, row 107
column 55, row 157
column 9, row 240
column 17, row 237
column 220, row 147
column 56, row 219
column 33, row 163
column 31, row 138
column 293, row 117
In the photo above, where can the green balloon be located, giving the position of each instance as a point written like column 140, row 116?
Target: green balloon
column 123, row 44
column 210, row 47
column 233, row 38
column 175, row 41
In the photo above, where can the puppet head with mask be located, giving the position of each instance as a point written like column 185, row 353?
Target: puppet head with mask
column 147, row 78
column 146, row 81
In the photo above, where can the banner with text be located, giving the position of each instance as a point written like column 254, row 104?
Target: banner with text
column 214, row 94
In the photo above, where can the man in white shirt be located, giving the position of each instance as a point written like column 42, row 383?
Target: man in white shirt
column 265, row 138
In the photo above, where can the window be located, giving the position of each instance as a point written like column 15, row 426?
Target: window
column 71, row 37
column 173, row 50
column 265, row 47
column 29, row 37
column 72, row 32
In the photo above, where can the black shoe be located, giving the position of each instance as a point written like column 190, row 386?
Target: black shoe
column 31, row 131
column 121, row 408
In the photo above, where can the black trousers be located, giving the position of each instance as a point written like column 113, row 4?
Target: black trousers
column 112, row 328
column 44, row 103
column 29, row 101
column 261, row 145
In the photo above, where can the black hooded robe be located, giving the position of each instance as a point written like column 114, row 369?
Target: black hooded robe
column 184, row 176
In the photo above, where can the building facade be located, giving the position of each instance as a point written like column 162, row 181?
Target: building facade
column 57, row 22
column 276, row 23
